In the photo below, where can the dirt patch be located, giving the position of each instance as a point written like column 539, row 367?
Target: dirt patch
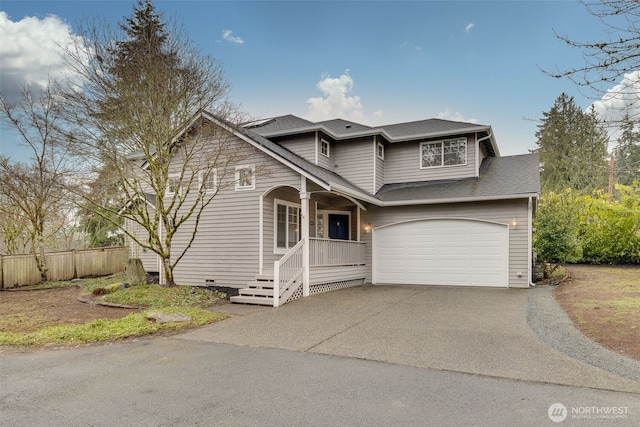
column 604, row 304
column 28, row 311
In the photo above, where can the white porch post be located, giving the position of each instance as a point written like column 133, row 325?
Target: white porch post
column 304, row 218
column 261, row 238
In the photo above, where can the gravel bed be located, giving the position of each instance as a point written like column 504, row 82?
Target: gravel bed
column 552, row 324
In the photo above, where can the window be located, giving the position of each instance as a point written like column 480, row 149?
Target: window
column 452, row 152
column 320, row 226
column 324, row 147
column 245, row 177
column 287, row 227
column 210, row 183
column 173, row 185
column 380, row 151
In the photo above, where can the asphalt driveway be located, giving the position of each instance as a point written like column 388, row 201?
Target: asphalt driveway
column 474, row 330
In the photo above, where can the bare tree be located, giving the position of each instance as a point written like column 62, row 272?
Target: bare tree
column 34, row 189
column 613, row 60
column 136, row 117
column 12, row 228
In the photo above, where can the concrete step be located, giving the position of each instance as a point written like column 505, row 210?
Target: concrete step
column 252, row 300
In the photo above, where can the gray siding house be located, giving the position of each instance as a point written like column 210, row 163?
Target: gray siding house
column 336, row 204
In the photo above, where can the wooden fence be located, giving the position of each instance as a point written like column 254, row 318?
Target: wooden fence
column 20, row 270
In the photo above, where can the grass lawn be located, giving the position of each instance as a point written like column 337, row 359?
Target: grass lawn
column 51, row 313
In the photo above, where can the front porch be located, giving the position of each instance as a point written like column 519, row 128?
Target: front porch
column 310, row 243
column 334, row 264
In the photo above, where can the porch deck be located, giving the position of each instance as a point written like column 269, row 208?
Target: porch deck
column 330, row 264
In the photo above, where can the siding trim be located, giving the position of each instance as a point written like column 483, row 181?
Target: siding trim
column 375, row 163
column 376, row 131
column 477, row 145
column 458, row 200
column 461, row 218
column 316, row 147
column 530, row 241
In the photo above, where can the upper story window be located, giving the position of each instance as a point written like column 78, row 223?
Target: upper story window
column 173, row 185
column 324, row 147
column 451, row 152
column 245, row 177
column 380, row 151
column 208, row 183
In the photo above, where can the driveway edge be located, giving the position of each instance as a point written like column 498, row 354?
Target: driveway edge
column 551, row 323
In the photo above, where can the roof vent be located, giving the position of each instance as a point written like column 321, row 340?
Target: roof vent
column 348, row 126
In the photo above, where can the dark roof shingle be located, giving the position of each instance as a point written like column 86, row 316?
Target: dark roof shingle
column 499, row 176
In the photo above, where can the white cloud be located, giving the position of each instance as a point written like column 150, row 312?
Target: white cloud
column 336, row 101
column 31, row 52
column 447, row 114
column 469, row 27
column 228, row 36
column 620, row 99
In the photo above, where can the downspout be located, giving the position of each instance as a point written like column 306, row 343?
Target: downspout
column 478, row 141
column 477, row 156
column 530, row 240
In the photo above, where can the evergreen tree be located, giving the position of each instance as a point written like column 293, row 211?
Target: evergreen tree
column 627, row 153
column 572, row 147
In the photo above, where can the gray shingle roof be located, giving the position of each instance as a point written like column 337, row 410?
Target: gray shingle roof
column 344, row 127
column 340, row 129
column 499, row 176
column 429, row 126
column 278, row 124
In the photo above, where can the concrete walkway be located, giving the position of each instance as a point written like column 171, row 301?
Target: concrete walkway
column 473, row 330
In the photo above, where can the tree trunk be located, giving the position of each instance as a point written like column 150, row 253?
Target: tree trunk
column 41, row 259
column 168, row 273
column 37, row 249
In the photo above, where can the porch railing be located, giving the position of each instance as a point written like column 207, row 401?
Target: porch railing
column 288, row 271
column 287, row 274
column 335, row 253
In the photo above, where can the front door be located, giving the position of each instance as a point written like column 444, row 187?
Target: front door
column 339, row 226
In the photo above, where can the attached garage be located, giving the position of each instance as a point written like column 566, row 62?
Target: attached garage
column 454, row 252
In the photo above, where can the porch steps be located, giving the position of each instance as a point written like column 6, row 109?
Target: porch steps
column 258, row 291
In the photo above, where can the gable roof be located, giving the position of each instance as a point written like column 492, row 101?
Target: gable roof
column 500, row 178
column 340, row 129
column 321, row 175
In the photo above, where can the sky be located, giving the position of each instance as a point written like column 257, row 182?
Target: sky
column 372, row 62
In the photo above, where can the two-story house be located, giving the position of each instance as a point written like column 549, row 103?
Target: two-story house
column 320, row 206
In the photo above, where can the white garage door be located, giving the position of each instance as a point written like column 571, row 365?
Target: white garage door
column 441, row 252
